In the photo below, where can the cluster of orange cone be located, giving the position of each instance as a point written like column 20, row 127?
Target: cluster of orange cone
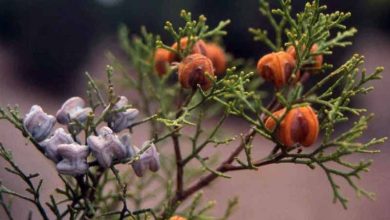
column 299, row 126
column 205, row 58
column 278, row 67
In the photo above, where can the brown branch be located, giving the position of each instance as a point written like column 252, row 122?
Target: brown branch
column 212, row 176
column 176, row 146
column 259, row 163
column 179, row 166
column 225, row 166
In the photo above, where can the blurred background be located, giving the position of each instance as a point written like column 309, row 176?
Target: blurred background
column 46, row 46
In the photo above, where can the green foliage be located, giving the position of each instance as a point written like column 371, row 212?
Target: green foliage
column 192, row 30
column 32, row 189
column 184, row 117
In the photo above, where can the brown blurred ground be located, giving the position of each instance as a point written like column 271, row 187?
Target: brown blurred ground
column 274, row 192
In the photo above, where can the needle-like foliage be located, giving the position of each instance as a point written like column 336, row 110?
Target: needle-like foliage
column 186, row 123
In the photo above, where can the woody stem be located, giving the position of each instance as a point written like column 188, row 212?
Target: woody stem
column 178, row 156
column 179, row 165
column 223, row 167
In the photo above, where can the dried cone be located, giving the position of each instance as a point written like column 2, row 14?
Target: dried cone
column 217, row 56
column 198, row 47
column 277, row 68
column 318, row 59
column 299, row 126
column 161, row 61
column 176, row 217
column 193, row 69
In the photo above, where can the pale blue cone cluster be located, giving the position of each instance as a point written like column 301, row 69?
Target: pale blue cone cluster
column 74, row 159
column 71, row 157
column 38, row 123
column 73, row 109
column 122, row 119
column 107, row 147
column 149, row 160
column 50, row 145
